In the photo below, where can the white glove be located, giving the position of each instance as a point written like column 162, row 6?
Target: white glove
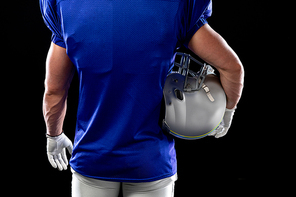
column 56, row 152
column 225, row 124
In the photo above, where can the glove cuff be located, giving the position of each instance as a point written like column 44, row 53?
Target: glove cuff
column 231, row 109
column 54, row 137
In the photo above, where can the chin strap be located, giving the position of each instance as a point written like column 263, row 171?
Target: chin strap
column 207, row 90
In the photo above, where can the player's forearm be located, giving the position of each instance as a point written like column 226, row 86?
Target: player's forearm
column 232, row 81
column 54, row 110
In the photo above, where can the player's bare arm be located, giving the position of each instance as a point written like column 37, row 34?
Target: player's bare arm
column 212, row 48
column 59, row 74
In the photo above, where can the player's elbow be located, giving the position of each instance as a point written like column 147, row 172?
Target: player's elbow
column 54, row 88
column 235, row 74
column 232, row 65
column 236, row 68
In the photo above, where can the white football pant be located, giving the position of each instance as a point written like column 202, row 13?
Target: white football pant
column 88, row 187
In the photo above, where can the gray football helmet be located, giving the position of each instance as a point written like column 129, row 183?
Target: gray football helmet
column 195, row 102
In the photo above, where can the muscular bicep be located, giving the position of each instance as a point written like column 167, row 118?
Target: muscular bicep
column 59, row 70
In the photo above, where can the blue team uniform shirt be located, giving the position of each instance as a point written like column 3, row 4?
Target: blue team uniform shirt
column 122, row 50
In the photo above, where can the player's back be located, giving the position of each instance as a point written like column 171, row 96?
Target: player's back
column 122, row 50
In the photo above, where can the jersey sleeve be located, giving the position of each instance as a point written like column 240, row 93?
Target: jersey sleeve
column 52, row 21
column 196, row 16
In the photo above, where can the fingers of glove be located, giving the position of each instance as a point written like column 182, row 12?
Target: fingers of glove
column 64, row 157
column 60, row 163
column 57, row 162
column 51, row 160
column 217, row 130
column 222, row 133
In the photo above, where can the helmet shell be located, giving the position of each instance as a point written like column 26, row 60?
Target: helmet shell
column 192, row 114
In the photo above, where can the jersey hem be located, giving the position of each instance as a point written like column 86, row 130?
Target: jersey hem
column 127, row 179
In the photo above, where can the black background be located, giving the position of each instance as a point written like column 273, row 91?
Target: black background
column 243, row 161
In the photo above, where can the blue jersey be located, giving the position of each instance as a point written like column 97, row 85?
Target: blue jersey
column 123, row 50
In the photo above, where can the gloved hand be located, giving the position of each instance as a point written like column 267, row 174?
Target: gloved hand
column 56, row 151
column 225, row 124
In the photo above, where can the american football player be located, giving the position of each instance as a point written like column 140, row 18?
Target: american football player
column 122, row 51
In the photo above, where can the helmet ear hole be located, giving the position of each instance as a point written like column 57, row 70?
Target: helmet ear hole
column 179, row 94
